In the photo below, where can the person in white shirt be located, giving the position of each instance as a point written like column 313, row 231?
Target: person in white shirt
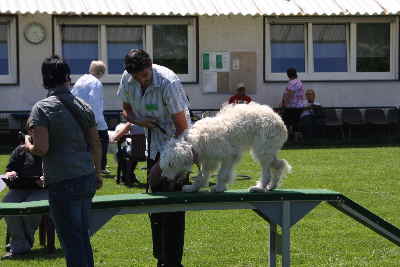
column 90, row 89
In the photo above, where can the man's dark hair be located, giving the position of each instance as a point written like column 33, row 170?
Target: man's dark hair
column 291, row 73
column 137, row 60
column 55, row 72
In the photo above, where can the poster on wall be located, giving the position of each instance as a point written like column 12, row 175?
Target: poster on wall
column 210, row 82
column 213, row 65
column 216, row 61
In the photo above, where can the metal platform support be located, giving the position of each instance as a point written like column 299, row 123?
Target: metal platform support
column 285, row 214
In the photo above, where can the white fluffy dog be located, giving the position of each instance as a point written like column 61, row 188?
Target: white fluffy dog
column 221, row 140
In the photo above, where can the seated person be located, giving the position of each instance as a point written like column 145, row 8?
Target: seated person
column 24, row 178
column 240, row 97
column 126, row 162
column 311, row 119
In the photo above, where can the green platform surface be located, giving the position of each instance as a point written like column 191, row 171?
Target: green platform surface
column 135, row 200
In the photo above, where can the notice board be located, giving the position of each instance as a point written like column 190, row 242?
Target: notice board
column 222, row 71
column 243, row 69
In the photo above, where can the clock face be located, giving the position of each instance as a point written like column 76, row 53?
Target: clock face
column 35, row 33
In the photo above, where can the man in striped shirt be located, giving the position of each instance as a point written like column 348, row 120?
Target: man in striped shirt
column 153, row 97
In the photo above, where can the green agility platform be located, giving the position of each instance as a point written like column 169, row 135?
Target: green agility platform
column 283, row 207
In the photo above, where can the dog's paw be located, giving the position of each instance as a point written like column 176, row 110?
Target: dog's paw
column 189, row 188
column 271, row 186
column 218, row 189
column 256, row 189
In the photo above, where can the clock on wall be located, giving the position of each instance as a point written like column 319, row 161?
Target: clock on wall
column 35, row 33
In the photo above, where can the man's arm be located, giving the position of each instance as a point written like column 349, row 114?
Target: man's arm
column 180, row 122
column 121, row 132
column 129, row 114
column 40, row 145
column 181, row 125
column 93, row 139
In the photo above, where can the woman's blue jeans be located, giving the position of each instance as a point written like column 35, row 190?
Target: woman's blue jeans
column 70, row 202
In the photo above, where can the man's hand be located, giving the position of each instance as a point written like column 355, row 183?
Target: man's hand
column 40, row 182
column 148, row 122
column 28, row 143
column 11, row 175
column 128, row 113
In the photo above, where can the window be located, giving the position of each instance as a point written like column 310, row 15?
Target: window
column 119, row 41
column 332, row 48
column 170, row 46
column 4, row 49
column 8, row 55
column 373, row 47
column 171, row 42
column 287, row 47
column 79, row 47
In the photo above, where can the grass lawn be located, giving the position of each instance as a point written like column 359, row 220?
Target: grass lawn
column 325, row 237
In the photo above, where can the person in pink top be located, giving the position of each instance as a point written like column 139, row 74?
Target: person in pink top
column 293, row 100
column 293, row 96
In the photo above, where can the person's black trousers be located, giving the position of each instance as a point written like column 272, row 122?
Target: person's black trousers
column 168, row 229
column 104, row 139
column 311, row 127
column 291, row 117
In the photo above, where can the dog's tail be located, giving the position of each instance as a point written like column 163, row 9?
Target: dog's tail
column 280, row 168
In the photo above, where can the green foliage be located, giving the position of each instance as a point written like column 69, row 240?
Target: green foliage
column 239, row 238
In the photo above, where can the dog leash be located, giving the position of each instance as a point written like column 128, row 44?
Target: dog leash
column 160, row 128
column 148, row 157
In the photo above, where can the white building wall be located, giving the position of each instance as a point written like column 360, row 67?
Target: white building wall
column 225, row 33
column 239, row 33
column 29, row 89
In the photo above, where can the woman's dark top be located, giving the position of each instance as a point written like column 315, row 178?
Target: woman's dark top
column 27, row 166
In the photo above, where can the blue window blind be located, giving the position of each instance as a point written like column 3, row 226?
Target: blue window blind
column 330, row 48
column 287, row 48
column 80, row 47
column 120, row 40
column 4, row 49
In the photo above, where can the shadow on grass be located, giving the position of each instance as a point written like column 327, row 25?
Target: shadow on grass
column 108, row 176
column 137, row 185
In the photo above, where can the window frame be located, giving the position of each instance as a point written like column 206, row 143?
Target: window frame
column 351, row 40
column 12, row 76
column 147, row 22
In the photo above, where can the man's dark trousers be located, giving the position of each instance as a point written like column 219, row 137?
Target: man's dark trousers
column 104, row 139
column 168, row 229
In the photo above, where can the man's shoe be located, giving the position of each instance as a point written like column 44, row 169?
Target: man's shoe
column 105, row 171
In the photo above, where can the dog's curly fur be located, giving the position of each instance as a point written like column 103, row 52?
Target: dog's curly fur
column 219, row 141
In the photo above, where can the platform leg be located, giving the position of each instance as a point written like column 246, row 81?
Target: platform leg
column 286, row 234
column 272, row 244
